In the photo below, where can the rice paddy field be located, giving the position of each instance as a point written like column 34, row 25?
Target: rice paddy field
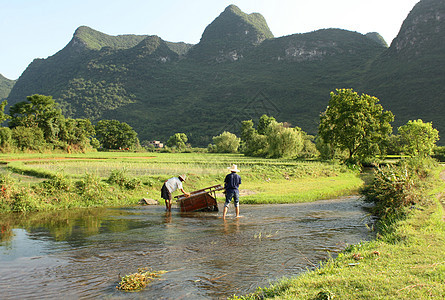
column 263, row 180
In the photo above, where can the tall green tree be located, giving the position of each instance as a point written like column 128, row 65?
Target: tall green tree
column 418, row 138
column 39, row 111
column 226, row 142
column 253, row 143
column 28, row 138
column 283, row 141
column 113, row 134
column 355, row 123
column 3, row 116
column 263, row 123
column 178, row 140
column 77, row 132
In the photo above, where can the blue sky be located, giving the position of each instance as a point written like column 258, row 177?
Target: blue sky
column 39, row 28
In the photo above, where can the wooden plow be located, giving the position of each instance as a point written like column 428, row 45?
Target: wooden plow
column 200, row 200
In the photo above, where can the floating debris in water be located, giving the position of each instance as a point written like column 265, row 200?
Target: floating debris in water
column 137, row 281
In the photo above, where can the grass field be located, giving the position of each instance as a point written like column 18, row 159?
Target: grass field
column 263, row 180
column 405, row 261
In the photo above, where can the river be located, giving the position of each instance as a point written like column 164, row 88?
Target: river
column 83, row 253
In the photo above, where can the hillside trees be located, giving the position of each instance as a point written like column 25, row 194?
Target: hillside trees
column 355, row 123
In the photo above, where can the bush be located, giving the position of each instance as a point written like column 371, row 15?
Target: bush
column 57, row 183
column 28, row 138
column 5, row 137
column 395, row 188
column 91, row 189
column 226, row 142
column 120, row 178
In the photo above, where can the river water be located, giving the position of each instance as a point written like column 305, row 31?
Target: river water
column 82, row 254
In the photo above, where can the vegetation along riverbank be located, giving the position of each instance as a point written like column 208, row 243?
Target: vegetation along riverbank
column 405, row 261
column 32, row 182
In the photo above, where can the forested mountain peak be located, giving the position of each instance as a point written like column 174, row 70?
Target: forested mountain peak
column 230, row 35
column 409, row 77
column 422, row 29
column 89, row 38
column 375, row 36
column 160, row 88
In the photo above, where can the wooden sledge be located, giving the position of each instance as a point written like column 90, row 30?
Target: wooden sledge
column 200, row 200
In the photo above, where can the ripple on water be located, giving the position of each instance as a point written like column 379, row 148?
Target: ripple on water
column 205, row 256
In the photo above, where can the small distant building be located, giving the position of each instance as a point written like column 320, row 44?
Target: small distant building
column 156, row 144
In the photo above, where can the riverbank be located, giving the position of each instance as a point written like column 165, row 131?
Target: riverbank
column 36, row 182
column 406, row 261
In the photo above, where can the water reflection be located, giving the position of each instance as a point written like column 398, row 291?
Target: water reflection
column 82, row 253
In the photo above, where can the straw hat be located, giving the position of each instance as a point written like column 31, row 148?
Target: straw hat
column 182, row 177
column 233, row 168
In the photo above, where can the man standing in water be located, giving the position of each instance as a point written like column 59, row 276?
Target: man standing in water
column 231, row 184
column 169, row 187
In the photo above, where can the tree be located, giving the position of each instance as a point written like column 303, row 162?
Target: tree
column 77, row 132
column 253, row 143
column 283, row 141
column 226, row 142
column 5, row 137
column 263, row 123
column 178, row 140
column 355, row 123
column 418, row 138
column 40, row 111
column 3, row 116
column 113, row 134
column 28, row 138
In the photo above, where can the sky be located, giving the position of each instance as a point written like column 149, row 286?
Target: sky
column 32, row 29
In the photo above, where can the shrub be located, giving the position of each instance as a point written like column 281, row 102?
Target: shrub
column 120, row 178
column 91, row 189
column 23, row 201
column 7, row 190
column 226, row 142
column 396, row 187
column 5, row 137
column 57, row 183
column 28, row 138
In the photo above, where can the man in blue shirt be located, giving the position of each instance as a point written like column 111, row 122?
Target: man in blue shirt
column 231, row 184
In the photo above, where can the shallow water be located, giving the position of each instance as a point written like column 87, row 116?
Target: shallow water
column 83, row 254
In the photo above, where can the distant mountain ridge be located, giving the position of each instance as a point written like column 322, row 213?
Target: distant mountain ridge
column 409, row 77
column 238, row 71
column 5, row 87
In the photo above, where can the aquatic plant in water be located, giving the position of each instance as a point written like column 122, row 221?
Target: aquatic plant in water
column 137, row 281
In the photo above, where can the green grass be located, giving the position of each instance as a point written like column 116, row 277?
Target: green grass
column 406, row 262
column 264, row 180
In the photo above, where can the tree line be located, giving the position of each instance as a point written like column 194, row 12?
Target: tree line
column 353, row 128
column 39, row 125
